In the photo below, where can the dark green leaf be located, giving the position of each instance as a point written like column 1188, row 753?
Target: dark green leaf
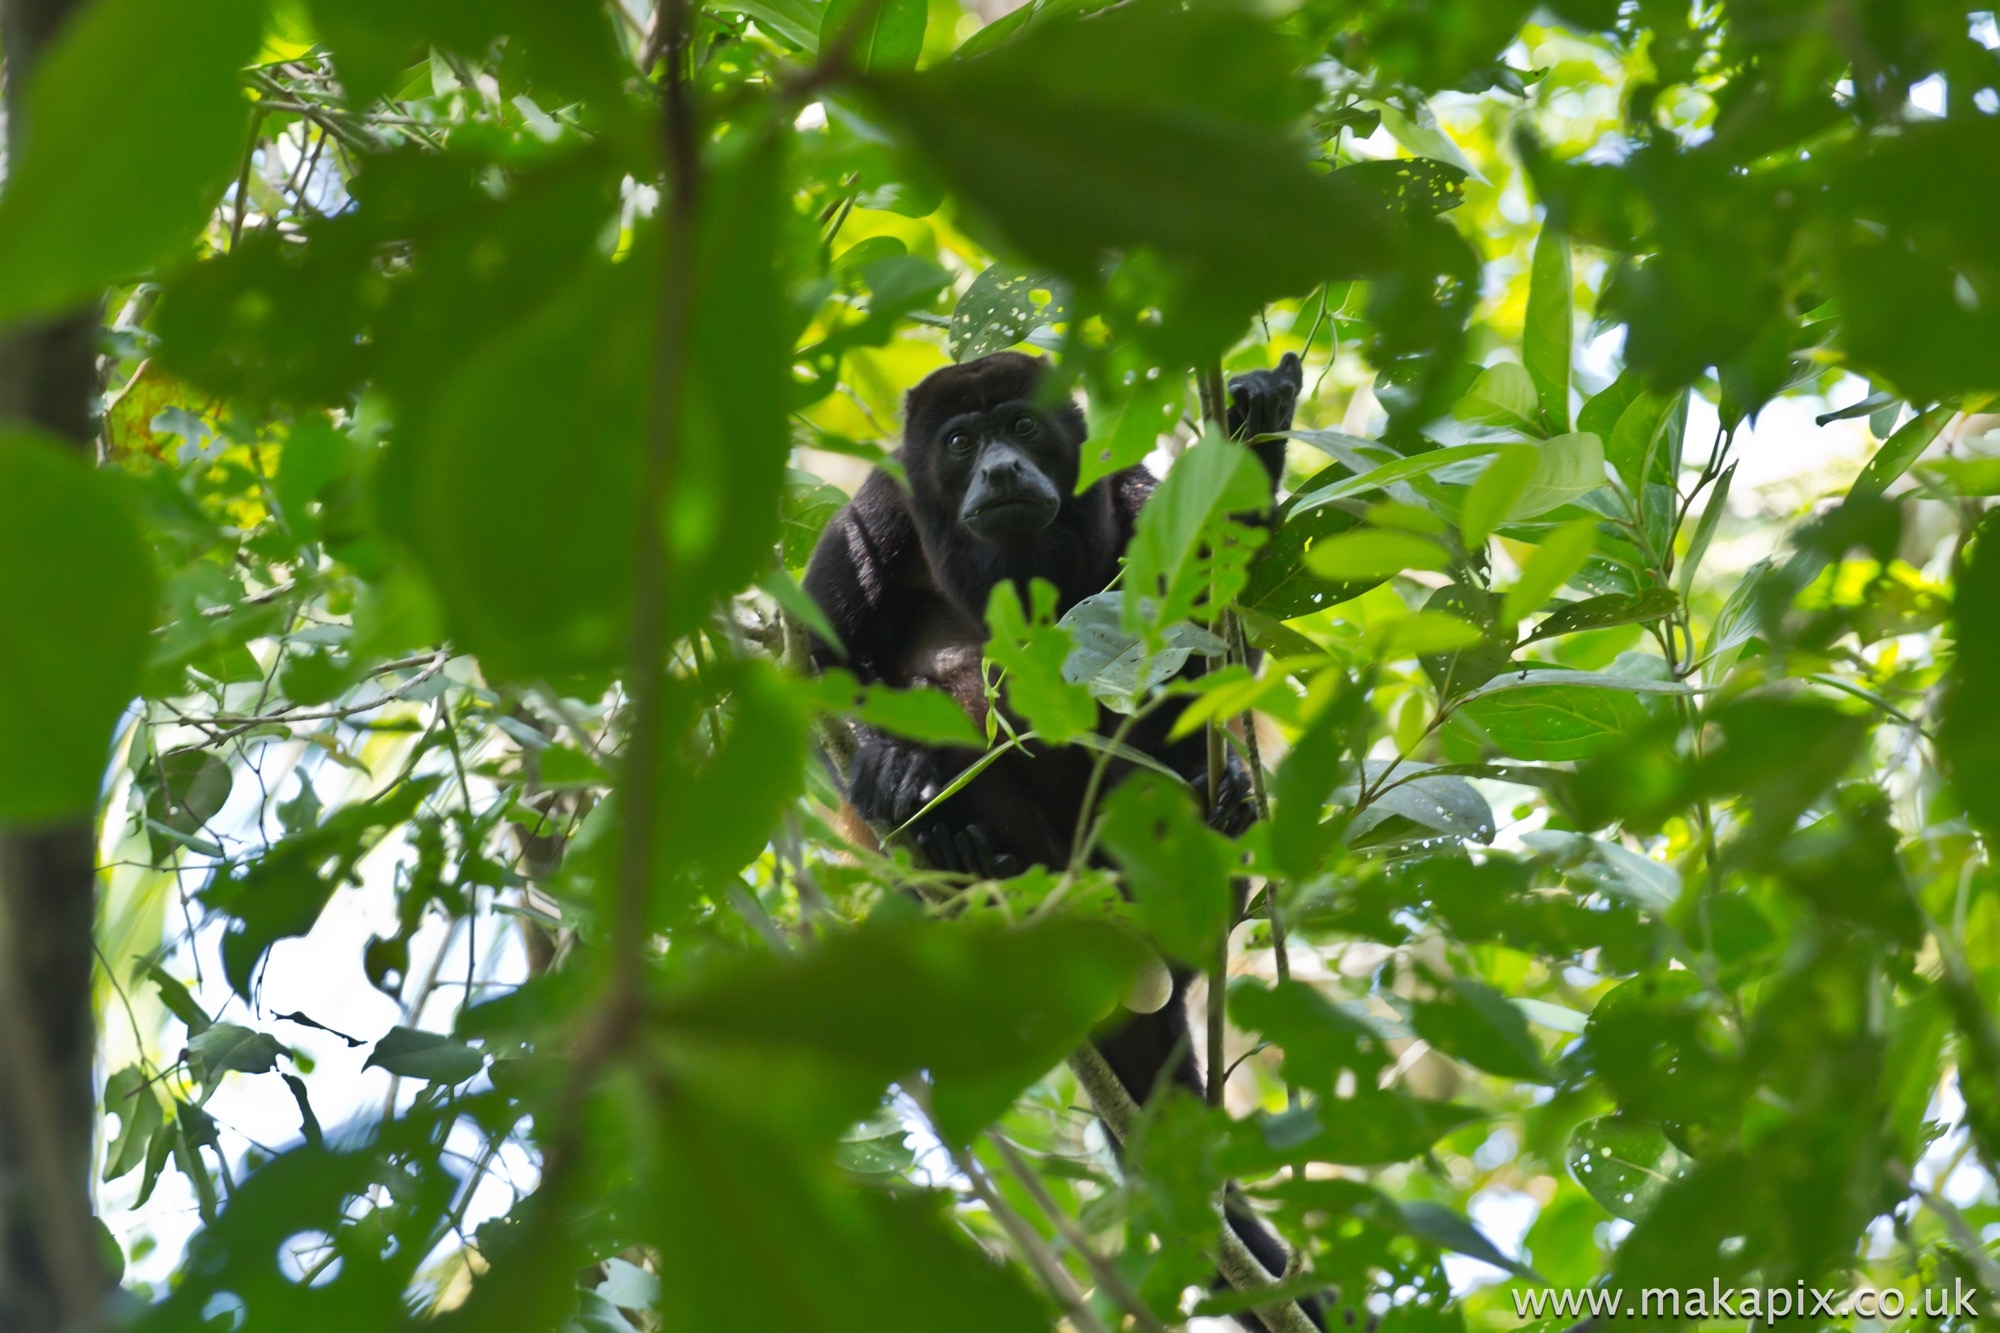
column 547, row 591
column 1146, row 127
column 985, row 1010
column 1914, row 268
column 1445, row 1229
column 1476, row 1024
column 430, row 1056
column 1616, row 608
column 1176, row 868
column 800, row 1248
column 564, row 51
column 226, row 1047
column 135, row 119
column 178, row 1002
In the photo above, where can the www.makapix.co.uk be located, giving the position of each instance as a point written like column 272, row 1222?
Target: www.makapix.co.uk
column 1757, row 1304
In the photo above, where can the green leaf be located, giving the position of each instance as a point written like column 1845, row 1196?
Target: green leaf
column 1548, row 721
column 805, row 507
column 1113, row 663
column 430, row 1056
column 1912, row 265
column 547, row 590
column 1555, row 561
column 1613, row 608
column 1401, row 469
column 1442, row 803
column 1175, row 560
column 1281, row 584
column 1122, row 437
column 226, row 1047
column 1566, row 468
column 1003, row 307
column 1469, row 665
column 1445, row 1229
column 801, row 1247
column 1475, row 1023
column 134, row 121
column 1969, row 738
column 1644, row 448
column 1032, row 653
column 985, row 1009
column 1496, row 492
column 178, row 1002
column 1147, row 126
column 881, row 36
column 797, row 21
column 76, row 605
column 1624, row 1163
column 717, row 806
column 1176, row 868
column 280, row 894
column 193, row 787
column 1339, row 1057
column 559, row 49
column 1545, row 338
column 1900, row 450
column 1704, row 532
column 918, row 714
column 1530, row 678
column 1503, row 395
column 1374, row 553
column 129, row 1095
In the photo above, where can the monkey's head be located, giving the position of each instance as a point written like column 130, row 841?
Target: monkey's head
column 981, row 441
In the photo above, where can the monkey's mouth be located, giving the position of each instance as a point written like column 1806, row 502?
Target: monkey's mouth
column 1017, row 514
column 1011, row 504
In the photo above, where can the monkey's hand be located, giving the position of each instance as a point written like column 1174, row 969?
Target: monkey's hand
column 1235, row 803
column 1261, row 401
column 892, row 779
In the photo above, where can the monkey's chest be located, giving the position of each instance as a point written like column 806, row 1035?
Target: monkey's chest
column 943, row 651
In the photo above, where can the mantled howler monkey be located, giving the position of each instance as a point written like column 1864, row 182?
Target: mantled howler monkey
column 903, row 578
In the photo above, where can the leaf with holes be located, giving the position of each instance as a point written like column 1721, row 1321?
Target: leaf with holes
column 1624, row 1163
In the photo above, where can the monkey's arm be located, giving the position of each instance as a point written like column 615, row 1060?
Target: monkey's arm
column 1261, row 402
column 861, row 576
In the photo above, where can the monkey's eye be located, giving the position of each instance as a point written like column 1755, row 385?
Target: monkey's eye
column 959, row 441
column 1026, row 427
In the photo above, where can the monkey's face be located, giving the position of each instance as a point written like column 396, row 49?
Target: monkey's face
column 1005, row 463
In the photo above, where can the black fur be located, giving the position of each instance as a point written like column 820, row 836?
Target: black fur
column 904, row 578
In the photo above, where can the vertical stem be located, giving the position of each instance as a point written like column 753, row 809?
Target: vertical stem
column 1215, row 412
column 243, row 178
column 681, row 149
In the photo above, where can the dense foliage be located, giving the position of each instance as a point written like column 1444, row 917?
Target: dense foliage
column 480, row 943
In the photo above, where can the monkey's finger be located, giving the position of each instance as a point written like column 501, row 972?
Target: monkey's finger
column 989, row 861
column 969, row 859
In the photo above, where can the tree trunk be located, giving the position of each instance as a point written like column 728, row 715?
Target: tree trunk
column 50, row 1275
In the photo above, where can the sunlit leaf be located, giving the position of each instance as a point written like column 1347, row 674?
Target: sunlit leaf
column 75, row 607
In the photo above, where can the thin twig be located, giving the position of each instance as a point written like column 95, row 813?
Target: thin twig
column 1108, row 1277
column 1239, row 1267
